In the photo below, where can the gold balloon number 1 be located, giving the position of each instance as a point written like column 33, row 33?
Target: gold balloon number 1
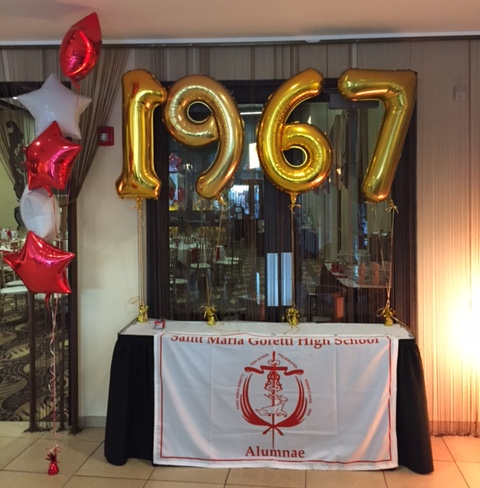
column 142, row 94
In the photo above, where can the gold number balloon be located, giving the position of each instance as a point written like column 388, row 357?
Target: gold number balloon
column 223, row 124
column 397, row 91
column 142, row 93
column 274, row 136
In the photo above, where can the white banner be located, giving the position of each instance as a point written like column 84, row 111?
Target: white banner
column 246, row 400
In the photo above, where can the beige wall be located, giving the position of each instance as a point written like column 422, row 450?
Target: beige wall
column 448, row 195
column 8, row 201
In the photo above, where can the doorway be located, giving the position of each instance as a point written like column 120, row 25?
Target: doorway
column 241, row 258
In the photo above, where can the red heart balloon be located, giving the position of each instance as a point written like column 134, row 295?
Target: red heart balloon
column 80, row 48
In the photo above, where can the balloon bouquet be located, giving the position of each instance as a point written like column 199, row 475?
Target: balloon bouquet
column 49, row 161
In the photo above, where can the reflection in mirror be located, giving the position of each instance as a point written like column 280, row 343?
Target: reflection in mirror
column 239, row 258
column 25, row 320
column 17, row 130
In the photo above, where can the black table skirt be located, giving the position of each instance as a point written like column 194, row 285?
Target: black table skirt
column 130, row 414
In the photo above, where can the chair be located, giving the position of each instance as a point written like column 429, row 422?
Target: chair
column 231, row 266
column 178, row 275
column 11, row 290
column 7, row 273
column 12, row 293
column 327, row 304
column 199, row 269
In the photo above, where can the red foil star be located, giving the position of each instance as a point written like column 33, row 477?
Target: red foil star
column 41, row 267
column 49, row 159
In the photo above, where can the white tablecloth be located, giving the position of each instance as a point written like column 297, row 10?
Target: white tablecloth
column 248, row 394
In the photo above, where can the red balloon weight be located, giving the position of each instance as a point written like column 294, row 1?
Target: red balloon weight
column 49, row 159
column 53, row 468
column 80, row 48
column 41, row 267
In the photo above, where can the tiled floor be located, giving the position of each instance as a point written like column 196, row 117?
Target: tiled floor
column 82, row 465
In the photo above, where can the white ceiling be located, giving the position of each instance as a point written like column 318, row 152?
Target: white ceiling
column 217, row 21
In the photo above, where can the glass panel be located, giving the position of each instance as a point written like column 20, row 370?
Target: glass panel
column 17, row 131
column 238, row 258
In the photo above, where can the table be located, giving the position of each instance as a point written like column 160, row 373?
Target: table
column 131, row 404
column 363, row 298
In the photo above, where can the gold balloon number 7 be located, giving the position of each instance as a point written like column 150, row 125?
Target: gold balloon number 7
column 397, row 90
column 142, row 94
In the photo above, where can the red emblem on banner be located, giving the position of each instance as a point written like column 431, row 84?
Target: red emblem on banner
column 273, row 413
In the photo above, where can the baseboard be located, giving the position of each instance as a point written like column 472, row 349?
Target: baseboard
column 92, row 421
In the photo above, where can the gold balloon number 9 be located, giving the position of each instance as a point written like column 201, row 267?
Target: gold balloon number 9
column 397, row 91
column 223, row 125
column 274, row 136
column 142, row 93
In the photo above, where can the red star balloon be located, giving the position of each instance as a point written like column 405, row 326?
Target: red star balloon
column 41, row 267
column 49, row 159
column 80, row 48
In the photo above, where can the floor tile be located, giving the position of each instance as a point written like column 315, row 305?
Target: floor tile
column 17, row 429
column 446, row 475
column 471, row 472
column 12, row 479
column 91, row 482
column 341, row 479
column 71, row 456
column 94, row 435
column 98, row 466
column 89, row 434
column 440, row 450
column 200, row 475
column 179, row 484
column 11, row 447
column 464, row 449
column 280, row 478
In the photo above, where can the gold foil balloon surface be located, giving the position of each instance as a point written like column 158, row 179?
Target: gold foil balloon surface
column 397, row 91
column 223, row 125
column 275, row 135
column 142, row 93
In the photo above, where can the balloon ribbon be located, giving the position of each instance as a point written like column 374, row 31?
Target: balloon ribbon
column 142, row 308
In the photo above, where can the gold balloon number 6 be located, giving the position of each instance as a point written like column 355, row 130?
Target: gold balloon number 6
column 397, row 91
column 223, row 125
column 142, row 93
column 274, row 136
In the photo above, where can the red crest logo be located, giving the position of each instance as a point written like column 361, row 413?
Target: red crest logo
column 274, row 413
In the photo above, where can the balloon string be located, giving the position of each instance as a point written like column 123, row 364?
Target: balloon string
column 387, row 312
column 292, row 315
column 217, row 246
column 210, row 312
column 53, row 367
column 292, row 208
column 392, row 209
column 143, row 308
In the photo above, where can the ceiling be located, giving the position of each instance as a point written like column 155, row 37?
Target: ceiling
column 45, row 22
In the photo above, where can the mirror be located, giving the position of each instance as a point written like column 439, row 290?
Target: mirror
column 17, row 130
column 24, row 318
column 239, row 259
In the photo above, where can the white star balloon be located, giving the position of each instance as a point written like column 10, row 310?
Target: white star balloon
column 55, row 102
column 40, row 213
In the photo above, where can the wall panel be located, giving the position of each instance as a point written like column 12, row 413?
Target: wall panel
column 443, row 202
